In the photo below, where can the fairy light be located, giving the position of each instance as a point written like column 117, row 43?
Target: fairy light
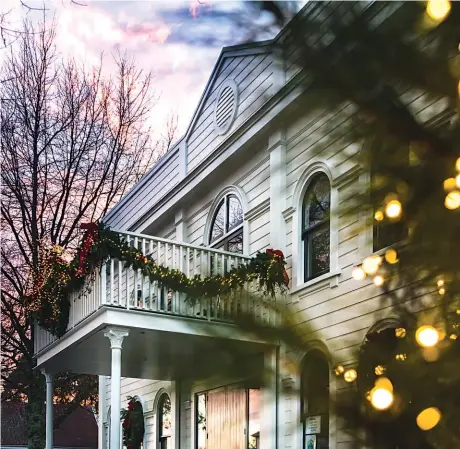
column 391, row 256
column 358, row 274
column 378, row 280
column 381, row 397
column 442, row 291
column 350, row 375
column 427, row 336
column 428, row 418
column 457, row 162
column 393, row 209
column 449, row 184
column 371, row 264
column 379, row 215
column 438, row 10
column 452, row 200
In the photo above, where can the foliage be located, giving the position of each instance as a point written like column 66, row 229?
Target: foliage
column 72, row 142
column 49, row 303
column 133, row 424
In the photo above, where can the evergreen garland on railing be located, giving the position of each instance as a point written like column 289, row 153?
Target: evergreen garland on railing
column 49, row 299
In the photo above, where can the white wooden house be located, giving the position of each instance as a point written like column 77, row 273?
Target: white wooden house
column 234, row 184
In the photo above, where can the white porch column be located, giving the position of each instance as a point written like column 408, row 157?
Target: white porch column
column 269, row 411
column 102, row 390
column 116, row 337
column 49, row 410
column 277, row 149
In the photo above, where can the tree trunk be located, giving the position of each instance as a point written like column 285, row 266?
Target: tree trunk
column 35, row 411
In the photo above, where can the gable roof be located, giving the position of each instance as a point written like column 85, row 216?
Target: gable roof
column 78, row 430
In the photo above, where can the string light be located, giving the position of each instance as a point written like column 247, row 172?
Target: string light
column 393, row 209
column 438, row 10
column 350, row 375
column 378, row 280
column 440, row 282
column 428, row 418
column 379, row 370
column 391, row 256
column 371, row 264
column 452, row 200
column 427, row 336
column 457, row 162
column 358, row 274
column 400, row 332
column 379, row 215
column 381, row 395
column 339, row 370
column 442, row 291
column 449, row 184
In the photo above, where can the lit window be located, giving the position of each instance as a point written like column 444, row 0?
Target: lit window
column 315, row 401
column 316, row 227
column 227, row 225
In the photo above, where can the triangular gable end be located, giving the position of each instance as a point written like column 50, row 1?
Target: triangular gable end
column 241, row 81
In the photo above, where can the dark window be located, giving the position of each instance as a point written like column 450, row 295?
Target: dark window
column 315, row 400
column 316, row 227
column 164, row 421
column 227, row 225
column 387, row 232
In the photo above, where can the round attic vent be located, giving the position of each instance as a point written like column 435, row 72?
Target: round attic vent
column 226, row 107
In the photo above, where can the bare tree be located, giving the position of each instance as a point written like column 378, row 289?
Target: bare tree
column 170, row 135
column 72, row 143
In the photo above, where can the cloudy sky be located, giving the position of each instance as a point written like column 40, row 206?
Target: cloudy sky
column 179, row 40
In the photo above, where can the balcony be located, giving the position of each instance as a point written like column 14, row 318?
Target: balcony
column 125, row 297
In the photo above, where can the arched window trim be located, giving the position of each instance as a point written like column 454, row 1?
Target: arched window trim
column 305, row 179
column 163, row 393
column 239, row 193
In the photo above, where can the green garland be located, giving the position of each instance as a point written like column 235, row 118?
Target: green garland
column 49, row 303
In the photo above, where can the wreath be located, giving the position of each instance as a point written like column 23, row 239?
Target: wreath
column 133, row 424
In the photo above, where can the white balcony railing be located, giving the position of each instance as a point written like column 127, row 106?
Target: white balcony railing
column 118, row 286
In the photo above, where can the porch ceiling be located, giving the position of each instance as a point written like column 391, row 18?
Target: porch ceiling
column 158, row 347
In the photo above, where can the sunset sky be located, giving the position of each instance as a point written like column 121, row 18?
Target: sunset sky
column 179, row 40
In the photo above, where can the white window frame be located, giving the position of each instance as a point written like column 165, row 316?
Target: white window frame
column 239, row 193
column 298, row 253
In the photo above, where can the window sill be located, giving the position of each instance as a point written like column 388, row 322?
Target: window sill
column 328, row 279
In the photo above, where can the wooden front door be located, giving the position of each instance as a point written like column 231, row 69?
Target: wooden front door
column 226, row 418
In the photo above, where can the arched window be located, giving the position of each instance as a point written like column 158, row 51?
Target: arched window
column 316, row 233
column 164, row 421
column 315, row 401
column 226, row 231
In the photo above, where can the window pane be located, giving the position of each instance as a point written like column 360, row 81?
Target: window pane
column 235, row 243
column 317, row 201
column 217, row 227
column 235, row 212
column 165, row 417
column 319, row 243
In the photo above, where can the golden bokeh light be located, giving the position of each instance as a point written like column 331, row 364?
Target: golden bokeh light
column 428, row 418
column 440, row 282
column 400, row 332
column 449, row 184
column 391, row 256
column 457, row 181
column 339, row 370
column 379, row 370
column 427, row 336
column 385, row 383
column 457, row 162
column 438, row 9
column 358, row 274
column 452, row 200
column 371, row 264
column 350, row 375
column 378, row 280
column 381, row 398
column 393, row 209
column 442, row 291
column 379, row 215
